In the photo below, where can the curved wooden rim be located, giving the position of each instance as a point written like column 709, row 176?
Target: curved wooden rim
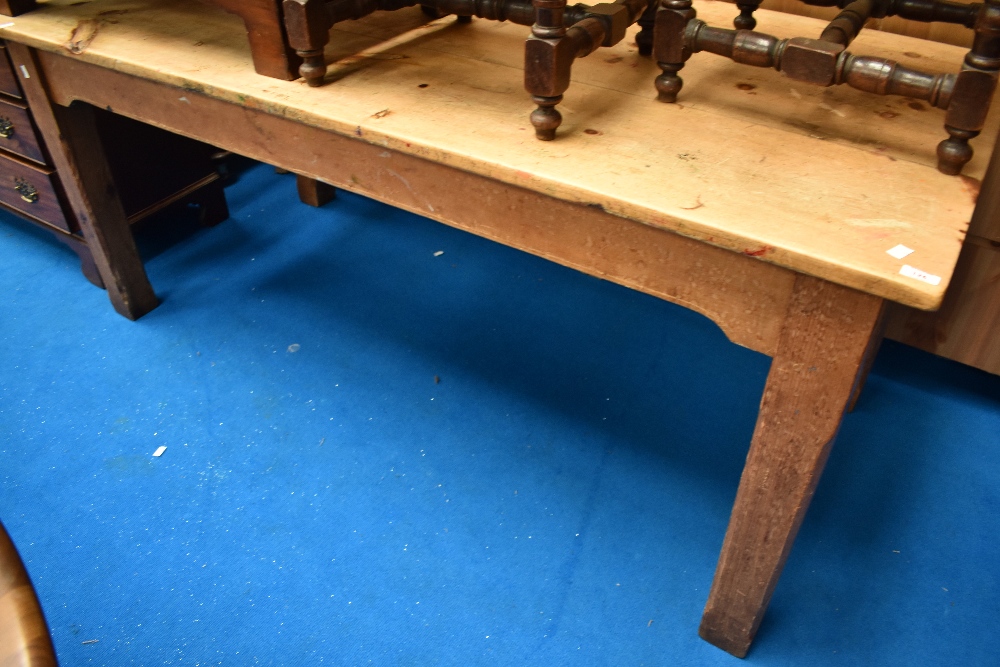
column 24, row 634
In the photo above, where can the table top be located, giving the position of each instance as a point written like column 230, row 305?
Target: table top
column 822, row 181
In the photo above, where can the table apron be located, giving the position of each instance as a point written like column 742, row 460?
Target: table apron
column 747, row 298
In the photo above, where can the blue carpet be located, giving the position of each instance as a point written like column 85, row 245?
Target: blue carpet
column 381, row 455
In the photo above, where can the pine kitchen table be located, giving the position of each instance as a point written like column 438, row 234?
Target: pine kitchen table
column 766, row 205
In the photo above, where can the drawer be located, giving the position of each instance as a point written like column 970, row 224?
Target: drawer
column 31, row 190
column 17, row 132
column 8, row 79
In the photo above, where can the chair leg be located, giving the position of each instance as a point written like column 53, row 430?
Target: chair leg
column 308, row 26
column 668, row 46
column 547, row 64
column 212, row 200
column 970, row 101
column 313, row 192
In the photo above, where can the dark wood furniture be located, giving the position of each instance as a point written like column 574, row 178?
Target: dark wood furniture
column 559, row 35
column 151, row 168
column 288, row 38
column 965, row 96
column 24, row 634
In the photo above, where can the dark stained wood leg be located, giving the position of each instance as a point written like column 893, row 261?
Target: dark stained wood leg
column 78, row 155
column 672, row 18
column 828, row 331
column 308, row 26
column 272, row 55
column 746, row 21
column 212, row 201
column 315, row 193
column 970, row 101
column 25, row 633
column 16, row 7
column 547, row 66
column 644, row 39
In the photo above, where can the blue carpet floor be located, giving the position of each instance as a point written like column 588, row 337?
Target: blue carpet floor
column 382, row 455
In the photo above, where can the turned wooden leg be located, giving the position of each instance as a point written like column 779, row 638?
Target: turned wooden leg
column 644, row 39
column 672, row 18
column 272, row 56
column 71, row 136
column 313, row 192
column 308, row 26
column 827, row 333
column 970, row 101
column 746, row 21
column 547, row 64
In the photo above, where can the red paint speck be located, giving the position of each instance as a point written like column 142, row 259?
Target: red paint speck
column 760, row 252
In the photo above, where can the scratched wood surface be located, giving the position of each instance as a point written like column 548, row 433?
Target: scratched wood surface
column 822, row 181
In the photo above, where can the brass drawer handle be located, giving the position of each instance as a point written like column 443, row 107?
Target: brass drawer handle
column 26, row 190
column 6, row 128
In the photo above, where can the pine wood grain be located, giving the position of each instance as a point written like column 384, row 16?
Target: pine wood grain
column 751, row 163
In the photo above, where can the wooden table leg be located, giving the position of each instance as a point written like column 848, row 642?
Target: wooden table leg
column 71, row 137
column 827, row 333
column 313, row 192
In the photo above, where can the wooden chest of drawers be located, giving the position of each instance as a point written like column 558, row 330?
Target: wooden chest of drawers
column 151, row 169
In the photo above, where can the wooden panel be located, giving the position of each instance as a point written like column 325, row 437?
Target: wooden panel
column 31, row 179
column 967, row 328
column 8, row 81
column 17, row 132
column 747, row 161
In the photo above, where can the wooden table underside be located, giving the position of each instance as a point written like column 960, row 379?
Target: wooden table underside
column 820, row 331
